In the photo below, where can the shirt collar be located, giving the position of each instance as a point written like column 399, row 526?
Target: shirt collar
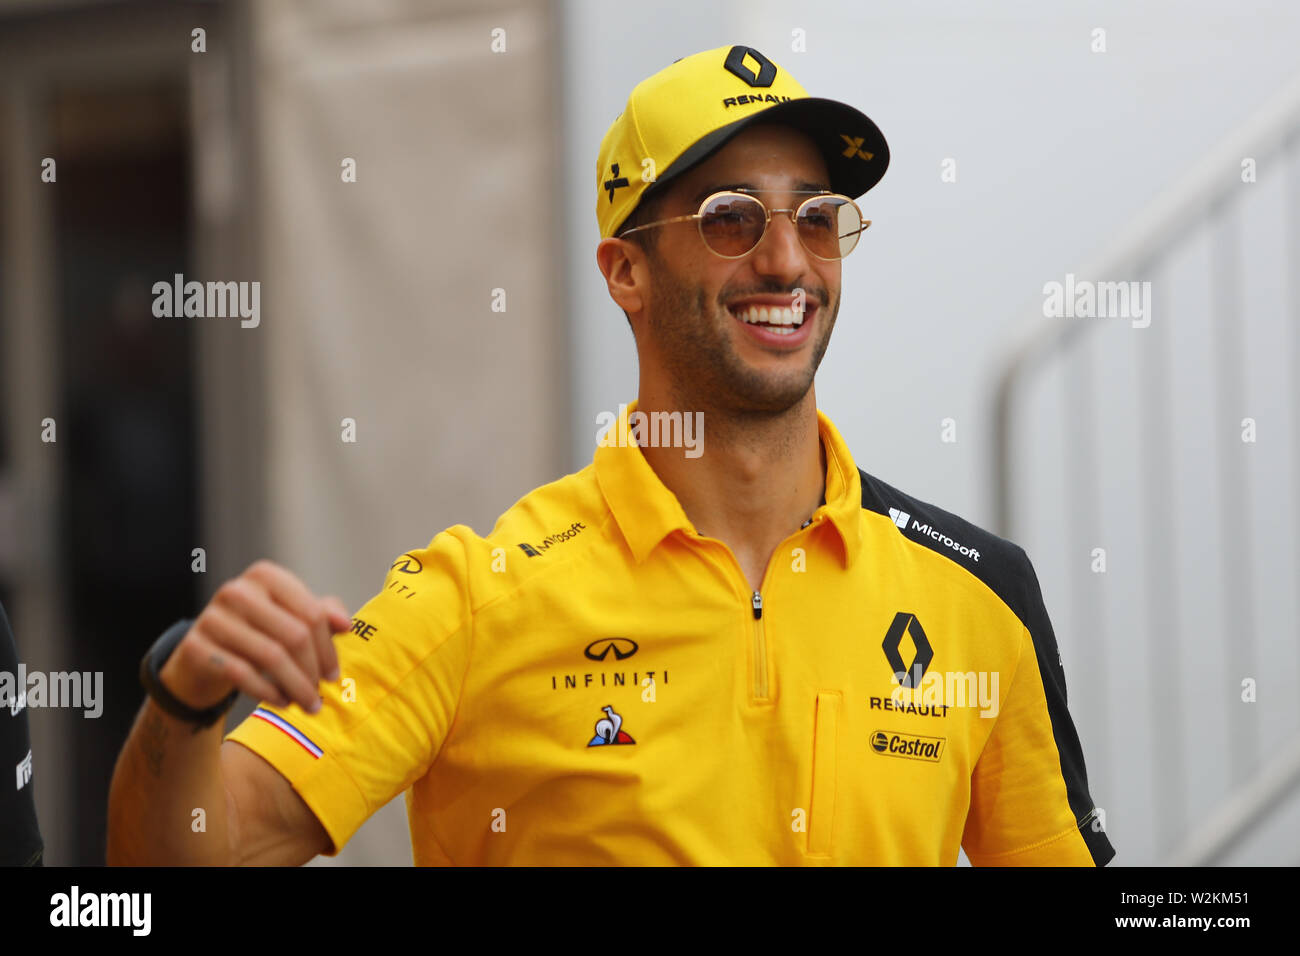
column 646, row 511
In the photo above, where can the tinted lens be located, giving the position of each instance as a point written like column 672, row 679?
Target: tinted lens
column 830, row 226
column 732, row 224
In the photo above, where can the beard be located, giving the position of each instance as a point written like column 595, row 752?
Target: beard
column 693, row 335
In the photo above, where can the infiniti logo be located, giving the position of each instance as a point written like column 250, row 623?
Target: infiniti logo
column 622, row 647
column 408, row 564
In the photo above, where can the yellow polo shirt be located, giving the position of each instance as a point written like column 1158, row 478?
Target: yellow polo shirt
column 595, row 682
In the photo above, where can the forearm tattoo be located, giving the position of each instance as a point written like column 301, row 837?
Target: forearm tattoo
column 153, row 739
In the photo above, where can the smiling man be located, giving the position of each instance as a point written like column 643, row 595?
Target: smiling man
column 732, row 315
column 745, row 651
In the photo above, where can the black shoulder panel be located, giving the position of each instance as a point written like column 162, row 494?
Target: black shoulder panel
column 997, row 562
column 1007, row 571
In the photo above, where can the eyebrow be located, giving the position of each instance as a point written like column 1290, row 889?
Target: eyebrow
column 801, row 186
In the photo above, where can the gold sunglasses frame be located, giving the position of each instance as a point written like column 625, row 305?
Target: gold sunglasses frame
column 793, row 213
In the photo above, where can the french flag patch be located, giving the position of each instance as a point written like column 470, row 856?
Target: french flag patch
column 303, row 741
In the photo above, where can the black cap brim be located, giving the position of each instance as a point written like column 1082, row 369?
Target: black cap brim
column 842, row 134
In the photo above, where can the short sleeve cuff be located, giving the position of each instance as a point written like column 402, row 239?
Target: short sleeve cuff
column 322, row 782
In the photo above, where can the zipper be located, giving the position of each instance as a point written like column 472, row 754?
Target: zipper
column 760, row 687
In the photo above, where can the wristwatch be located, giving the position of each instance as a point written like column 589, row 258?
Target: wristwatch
column 152, row 663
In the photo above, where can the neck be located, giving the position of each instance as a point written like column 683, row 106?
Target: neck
column 759, row 477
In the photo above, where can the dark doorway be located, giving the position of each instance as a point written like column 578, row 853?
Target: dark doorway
column 128, row 505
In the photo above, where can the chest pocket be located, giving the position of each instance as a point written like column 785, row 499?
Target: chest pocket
column 821, row 807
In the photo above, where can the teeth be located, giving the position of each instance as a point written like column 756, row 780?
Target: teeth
column 775, row 315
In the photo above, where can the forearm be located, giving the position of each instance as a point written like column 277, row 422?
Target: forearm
column 165, row 775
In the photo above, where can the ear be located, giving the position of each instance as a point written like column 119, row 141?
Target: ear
column 623, row 265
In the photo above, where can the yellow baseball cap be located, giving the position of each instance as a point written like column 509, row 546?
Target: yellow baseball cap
column 687, row 111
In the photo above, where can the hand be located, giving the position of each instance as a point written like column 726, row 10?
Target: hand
column 263, row 632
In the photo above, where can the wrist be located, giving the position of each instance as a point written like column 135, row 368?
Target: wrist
column 198, row 703
column 199, row 694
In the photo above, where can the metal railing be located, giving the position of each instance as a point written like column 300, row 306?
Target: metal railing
column 1207, row 196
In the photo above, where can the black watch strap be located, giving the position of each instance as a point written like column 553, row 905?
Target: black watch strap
column 151, row 664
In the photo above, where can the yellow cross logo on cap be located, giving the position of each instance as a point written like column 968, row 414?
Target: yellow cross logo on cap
column 854, row 143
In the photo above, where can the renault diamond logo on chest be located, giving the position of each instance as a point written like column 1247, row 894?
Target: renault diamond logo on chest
column 909, row 624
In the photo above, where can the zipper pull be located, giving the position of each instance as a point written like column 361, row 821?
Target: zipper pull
column 758, row 606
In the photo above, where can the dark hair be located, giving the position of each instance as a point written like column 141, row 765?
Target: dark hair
column 646, row 211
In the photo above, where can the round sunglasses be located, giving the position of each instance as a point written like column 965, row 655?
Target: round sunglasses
column 733, row 222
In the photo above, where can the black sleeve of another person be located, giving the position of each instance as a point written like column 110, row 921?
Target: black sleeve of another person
column 20, row 837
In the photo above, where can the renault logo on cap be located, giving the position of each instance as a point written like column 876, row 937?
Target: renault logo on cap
column 735, row 64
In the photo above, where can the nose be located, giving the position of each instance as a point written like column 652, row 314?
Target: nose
column 780, row 252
